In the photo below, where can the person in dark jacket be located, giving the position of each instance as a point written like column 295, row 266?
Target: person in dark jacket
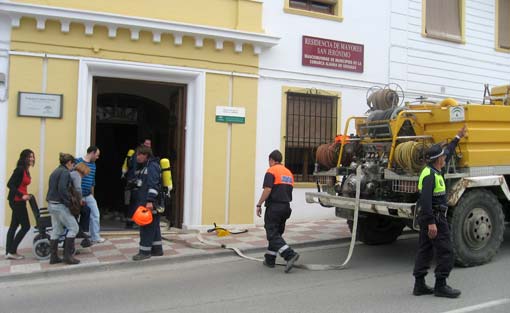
column 146, row 193
column 434, row 228
column 18, row 196
column 58, row 205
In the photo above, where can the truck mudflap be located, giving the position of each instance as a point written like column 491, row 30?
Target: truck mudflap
column 394, row 209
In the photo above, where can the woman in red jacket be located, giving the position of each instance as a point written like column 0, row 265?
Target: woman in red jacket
column 18, row 197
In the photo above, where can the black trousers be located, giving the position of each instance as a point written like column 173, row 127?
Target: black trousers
column 441, row 246
column 84, row 218
column 150, row 237
column 274, row 223
column 19, row 217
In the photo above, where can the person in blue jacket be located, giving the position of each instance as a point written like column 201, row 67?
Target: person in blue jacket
column 146, row 193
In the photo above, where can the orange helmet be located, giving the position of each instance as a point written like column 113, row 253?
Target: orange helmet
column 142, row 216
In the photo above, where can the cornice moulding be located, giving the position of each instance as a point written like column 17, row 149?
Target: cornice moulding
column 157, row 27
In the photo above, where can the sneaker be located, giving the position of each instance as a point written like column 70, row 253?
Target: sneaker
column 140, row 257
column 100, row 240
column 290, row 262
column 14, row 256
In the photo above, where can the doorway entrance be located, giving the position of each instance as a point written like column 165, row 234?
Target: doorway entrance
column 124, row 113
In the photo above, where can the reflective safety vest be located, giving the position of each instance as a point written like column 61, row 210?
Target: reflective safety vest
column 439, row 186
column 282, row 175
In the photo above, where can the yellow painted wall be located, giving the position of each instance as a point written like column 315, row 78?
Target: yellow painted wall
column 243, row 15
column 76, row 43
column 26, row 74
column 242, row 166
column 242, row 157
column 215, row 151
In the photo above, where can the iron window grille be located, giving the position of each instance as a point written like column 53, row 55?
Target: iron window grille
column 311, row 121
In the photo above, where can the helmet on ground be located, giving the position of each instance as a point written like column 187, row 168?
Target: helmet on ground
column 142, row 216
column 434, row 152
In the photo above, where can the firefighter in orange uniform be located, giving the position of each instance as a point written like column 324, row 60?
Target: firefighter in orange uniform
column 277, row 195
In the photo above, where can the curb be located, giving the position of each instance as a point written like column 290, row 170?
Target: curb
column 98, row 267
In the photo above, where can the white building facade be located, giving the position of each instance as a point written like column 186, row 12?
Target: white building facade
column 408, row 42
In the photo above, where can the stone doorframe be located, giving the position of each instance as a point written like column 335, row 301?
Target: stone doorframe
column 195, row 100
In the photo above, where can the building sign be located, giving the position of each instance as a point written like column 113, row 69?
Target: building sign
column 230, row 115
column 39, row 105
column 332, row 54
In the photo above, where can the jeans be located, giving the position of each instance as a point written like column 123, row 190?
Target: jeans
column 19, row 217
column 61, row 219
column 94, row 228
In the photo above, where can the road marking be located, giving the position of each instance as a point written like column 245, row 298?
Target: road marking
column 480, row 306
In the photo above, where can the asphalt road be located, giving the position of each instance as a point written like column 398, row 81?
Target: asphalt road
column 377, row 280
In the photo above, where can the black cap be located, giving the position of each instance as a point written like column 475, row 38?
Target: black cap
column 434, row 152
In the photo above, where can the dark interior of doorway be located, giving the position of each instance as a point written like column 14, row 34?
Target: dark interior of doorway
column 126, row 112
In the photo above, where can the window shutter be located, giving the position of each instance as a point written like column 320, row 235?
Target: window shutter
column 504, row 24
column 443, row 19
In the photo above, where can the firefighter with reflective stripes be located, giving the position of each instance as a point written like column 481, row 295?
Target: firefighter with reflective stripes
column 146, row 193
column 277, row 195
column 434, row 227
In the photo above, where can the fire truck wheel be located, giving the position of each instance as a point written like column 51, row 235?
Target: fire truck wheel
column 477, row 227
column 377, row 229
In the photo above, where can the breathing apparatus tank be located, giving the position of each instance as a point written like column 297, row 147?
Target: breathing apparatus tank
column 166, row 174
column 126, row 160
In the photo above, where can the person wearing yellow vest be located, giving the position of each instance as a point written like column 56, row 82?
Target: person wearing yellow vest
column 434, row 227
column 277, row 195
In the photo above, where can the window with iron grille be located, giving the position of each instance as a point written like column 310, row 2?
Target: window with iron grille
column 311, row 121
column 321, row 6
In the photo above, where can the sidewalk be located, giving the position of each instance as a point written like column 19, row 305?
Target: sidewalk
column 118, row 249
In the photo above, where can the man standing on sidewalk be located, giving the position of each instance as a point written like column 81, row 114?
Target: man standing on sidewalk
column 87, row 188
column 146, row 193
column 277, row 194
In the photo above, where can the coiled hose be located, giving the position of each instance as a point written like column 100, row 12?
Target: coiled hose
column 410, row 156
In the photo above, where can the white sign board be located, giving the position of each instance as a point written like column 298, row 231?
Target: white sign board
column 230, row 115
column 39, row 105
column 457, row 114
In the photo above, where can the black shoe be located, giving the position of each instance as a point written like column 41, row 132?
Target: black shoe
column 157, row 253
column 266, row 263
column 420, row 288
column 446, row 292
column 85, row 243
column 290, row 262
column 140, row 257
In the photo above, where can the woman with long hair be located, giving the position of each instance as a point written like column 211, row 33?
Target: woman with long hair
column 18, row 197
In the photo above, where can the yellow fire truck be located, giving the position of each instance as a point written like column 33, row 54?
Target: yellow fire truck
column 389, row 144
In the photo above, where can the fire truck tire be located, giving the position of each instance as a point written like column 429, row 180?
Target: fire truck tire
column 477, row 227
column 377, row 229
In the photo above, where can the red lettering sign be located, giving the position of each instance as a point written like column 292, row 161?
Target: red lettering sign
column 337, row 55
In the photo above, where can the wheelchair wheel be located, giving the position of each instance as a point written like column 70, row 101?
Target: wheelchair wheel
column 41, row 249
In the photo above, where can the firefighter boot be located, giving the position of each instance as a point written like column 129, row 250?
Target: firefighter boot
column 421, row 288
column 68, row 252
column 157, row 250
column 269, row 260
column 54, row 259
column 441, row 289
column 291, row 261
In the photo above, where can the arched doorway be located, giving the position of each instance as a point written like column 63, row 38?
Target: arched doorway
column 125, row 112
